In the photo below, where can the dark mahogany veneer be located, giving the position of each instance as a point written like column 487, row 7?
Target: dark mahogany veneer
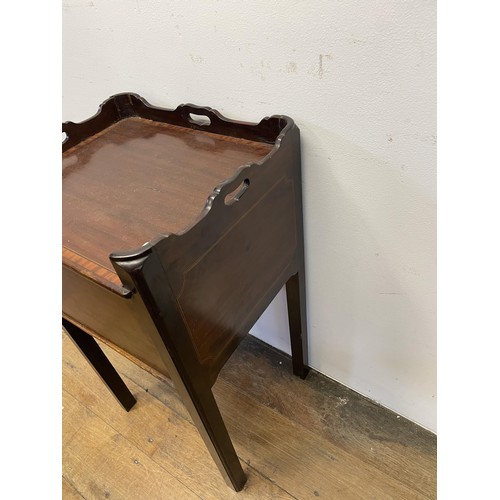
column 179, row 228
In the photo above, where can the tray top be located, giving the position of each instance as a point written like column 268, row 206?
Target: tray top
column 139, row 178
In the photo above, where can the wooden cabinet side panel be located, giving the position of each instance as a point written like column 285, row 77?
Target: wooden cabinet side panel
column 122, row 321
column 226, row 291
column 226, row 270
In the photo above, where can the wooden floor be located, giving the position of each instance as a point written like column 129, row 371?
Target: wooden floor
column 296, row 439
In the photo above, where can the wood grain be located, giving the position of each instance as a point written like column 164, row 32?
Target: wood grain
column 101, row 463
column 170, row 439
column 69, row 492
column 103, row 313
column 93, row 271
column 140, row 178
column 339, row 415
column 281, row 449
column 346, row 455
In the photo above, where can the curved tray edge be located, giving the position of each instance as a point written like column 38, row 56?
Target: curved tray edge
column 271, row 129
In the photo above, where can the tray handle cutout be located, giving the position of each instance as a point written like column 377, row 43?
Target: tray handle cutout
column 199, row 116
column 237, row 193
column 198, row 119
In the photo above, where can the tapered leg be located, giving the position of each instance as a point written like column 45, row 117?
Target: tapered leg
column 201, row 404
column 296, row 301
column 98, row 360
column 174, row 344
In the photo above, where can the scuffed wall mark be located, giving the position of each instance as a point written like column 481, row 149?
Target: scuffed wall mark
column 424, row 137
column 411, row 270
column 358, row 41
column 321, row 67
column 196, row 59
column 291, row 67
column 262, row 69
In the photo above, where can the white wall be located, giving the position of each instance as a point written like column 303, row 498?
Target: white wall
column 359, row 78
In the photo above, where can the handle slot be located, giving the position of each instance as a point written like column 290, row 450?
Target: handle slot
column 201, row 120
column 237, row 193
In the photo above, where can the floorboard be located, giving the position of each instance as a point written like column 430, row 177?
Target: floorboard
column 296, row 439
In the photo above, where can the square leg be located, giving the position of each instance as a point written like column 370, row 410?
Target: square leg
column 101, row 364
column 296, row 302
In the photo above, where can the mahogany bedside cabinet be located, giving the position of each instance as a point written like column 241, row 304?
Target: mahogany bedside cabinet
column 179, row 228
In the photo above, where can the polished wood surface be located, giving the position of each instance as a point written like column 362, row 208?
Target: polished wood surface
column 201, row 222
column 257, row 242
column 122, row 320
column 139, row 178
column 296, row 438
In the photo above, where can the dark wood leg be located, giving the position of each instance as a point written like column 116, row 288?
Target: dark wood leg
column 201, row 404
column 296, row 301
column 174, row 344
column 98, row 360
